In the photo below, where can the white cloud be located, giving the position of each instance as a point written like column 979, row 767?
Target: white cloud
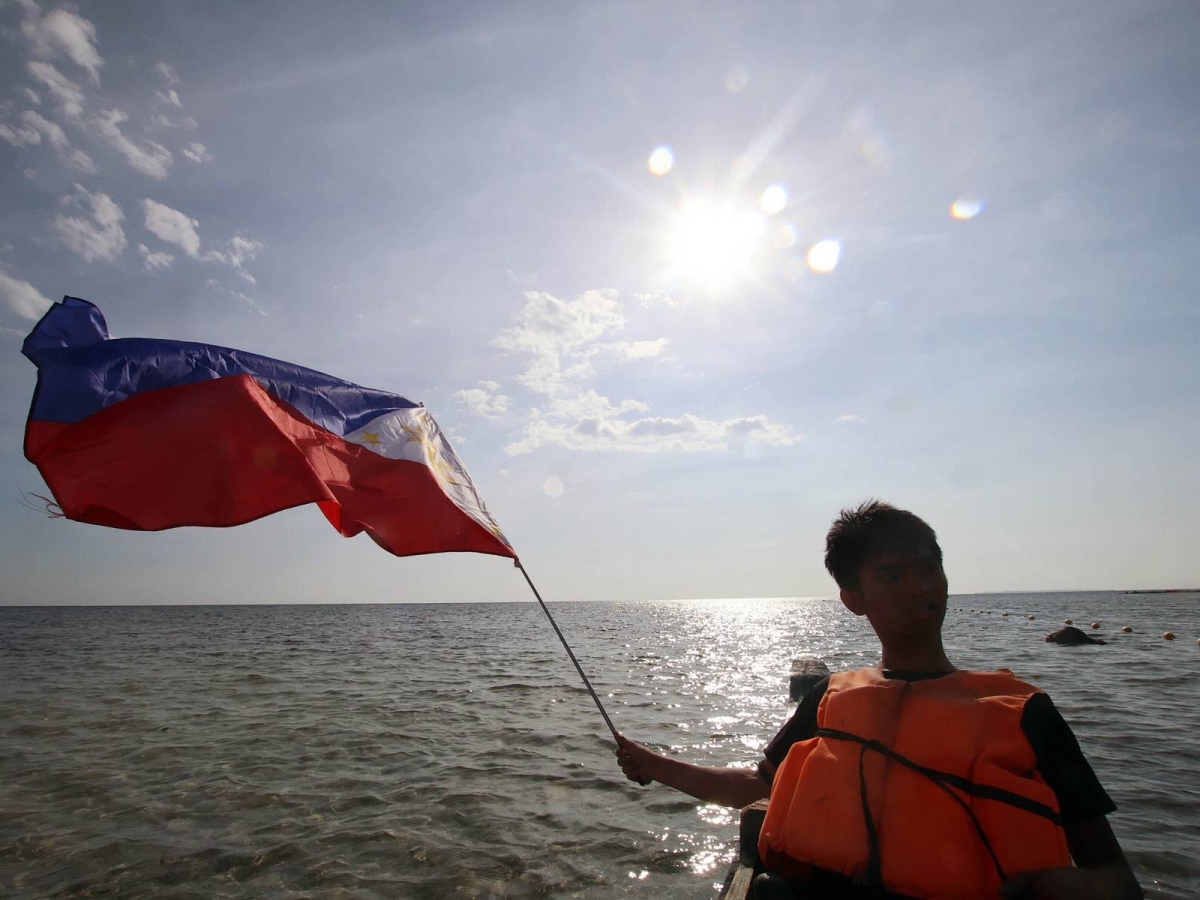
column 589, row 404
column 31, row 95
column 19, row 136
column 197, row 153
column 100, row 235
column 161, row 121
column 172, row 226
column 658, row 298
column 530, row 279
column 170, row 76
column 34, row 127
column 149, row 158
column 654, row 434
column 52, row 132
column 152, row 260
column 170, row 97
column 77, row 159
column 62, row 32
column 21, row 297
column 66, row 93
column 485, row 400
column 560, row 338
column 238, row 295
column 549, row 328
column 627, row 351
column 238, row 251
column 849, row 417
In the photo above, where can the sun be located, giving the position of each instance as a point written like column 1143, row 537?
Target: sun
column 714, row 243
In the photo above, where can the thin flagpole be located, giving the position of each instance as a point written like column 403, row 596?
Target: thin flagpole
column 578, row 668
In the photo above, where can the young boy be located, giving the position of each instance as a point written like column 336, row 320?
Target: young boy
column 915, row 779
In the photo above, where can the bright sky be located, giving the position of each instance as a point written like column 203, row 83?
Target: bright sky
column 680, row 281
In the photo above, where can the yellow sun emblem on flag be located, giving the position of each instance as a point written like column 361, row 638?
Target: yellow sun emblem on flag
column 413, row 434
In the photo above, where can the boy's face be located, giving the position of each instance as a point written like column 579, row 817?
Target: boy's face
column 901, row 590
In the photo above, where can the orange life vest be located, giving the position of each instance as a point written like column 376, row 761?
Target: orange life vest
column 927, row 789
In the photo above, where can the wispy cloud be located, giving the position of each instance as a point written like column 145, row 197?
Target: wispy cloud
column 21, row 297
column 627, row 351
column 549, row 329
column 99, row 234
column 172, row 226
column 561, row 339
column 66, row 93
column 34, row 127
column 179, row 229
column 238, row 251
column 485, row 400
column 62, row 33
column 254, row 305
column 658, row 298
column 653, row 434
column 154, row 260
column 197, row 153
column 168, row 73
column 20, row 136
column 850, row 418
column 149, row 158
column 159, row 121
column 170, row 97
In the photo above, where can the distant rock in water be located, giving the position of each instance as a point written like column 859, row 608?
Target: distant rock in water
column 806, row 671
column 1071, row 635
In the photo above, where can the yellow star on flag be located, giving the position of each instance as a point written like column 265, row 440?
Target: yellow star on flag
column 371, row 438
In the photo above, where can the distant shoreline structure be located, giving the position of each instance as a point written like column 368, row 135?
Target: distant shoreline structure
column 1167, row 591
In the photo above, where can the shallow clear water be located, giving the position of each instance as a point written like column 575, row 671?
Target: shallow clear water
column 449, row 750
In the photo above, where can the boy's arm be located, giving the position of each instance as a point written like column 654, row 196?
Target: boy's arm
column 725, row 787
column 1102, row 871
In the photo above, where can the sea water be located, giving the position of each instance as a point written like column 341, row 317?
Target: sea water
column 399, row 751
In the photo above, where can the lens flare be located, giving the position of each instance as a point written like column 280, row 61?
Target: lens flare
column 784, row 236
column 553, row 487
column 965, row 208
column 736, row 79
column 661, row 160
column 773, row 199
column 793, row 269
column 823, row 256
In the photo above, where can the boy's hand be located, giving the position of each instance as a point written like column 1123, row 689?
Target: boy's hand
column 635, row 760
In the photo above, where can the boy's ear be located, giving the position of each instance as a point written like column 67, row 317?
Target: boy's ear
column 853, row 601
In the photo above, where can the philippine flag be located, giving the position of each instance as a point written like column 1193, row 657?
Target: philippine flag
column 149, row 434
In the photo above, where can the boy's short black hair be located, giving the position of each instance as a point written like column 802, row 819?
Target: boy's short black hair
column 861, row 531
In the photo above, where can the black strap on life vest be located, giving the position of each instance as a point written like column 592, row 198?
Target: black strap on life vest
column 948, row 782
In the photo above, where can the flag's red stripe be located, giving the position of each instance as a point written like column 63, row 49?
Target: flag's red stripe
column 225, row 452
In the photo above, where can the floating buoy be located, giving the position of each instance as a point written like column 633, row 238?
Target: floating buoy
column 1198, row 642
column 1169, row 636
column 1031, row 618
column 1095, row 624
column 1004, row 614
column 1068, row 622
column 1127, row 630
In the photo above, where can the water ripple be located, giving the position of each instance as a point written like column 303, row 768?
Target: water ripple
column 385, row 751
